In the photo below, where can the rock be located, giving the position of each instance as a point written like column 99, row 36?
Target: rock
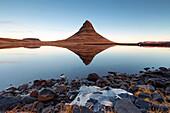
column 6, row 102
column 39, row 82
column 23, row 87
column 160, row 107
column 159, row 84
column 146, row 68
column 46, row 95
column 61, row 89
column 126, row 106
column 40, row 106
column 114, row 73
column 81, row 109
column 167, row 90
column 143, row 111
column 157, row 97
column 10, row 89
column 143, row 104
column 63, row 77
column 115, row 85
column 34, row 94
column 93, row 77
column 101, row 82
column 48, row 109
column 163, row 68
column 28, row 100
column 150, row 87
column 144, row 95
column 125, row 95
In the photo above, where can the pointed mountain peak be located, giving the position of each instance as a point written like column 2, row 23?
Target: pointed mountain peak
column 87, row 26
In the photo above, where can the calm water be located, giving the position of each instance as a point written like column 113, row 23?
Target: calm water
column 20, row 65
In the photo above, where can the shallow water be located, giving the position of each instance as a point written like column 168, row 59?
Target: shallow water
column 20, row 65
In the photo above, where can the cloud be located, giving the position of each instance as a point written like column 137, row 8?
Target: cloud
column 9, row 62
column 6, row 22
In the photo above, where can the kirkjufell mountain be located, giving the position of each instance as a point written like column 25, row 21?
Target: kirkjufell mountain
column 87, row 34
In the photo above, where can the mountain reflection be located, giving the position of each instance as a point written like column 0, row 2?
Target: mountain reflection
column 86, row 52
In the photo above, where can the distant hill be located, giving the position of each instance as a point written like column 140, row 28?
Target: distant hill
column 87, row 34
column 154, row 43
column 25, row 40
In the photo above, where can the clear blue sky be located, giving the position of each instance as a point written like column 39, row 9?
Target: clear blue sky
column 117, row 20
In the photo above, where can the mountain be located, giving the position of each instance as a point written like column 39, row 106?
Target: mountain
column 87, row 34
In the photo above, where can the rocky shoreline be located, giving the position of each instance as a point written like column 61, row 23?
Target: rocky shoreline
column 145, row 92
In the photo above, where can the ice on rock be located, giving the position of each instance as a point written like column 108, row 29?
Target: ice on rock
column 97, row 97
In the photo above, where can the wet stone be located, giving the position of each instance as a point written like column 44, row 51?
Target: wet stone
column 144, row 95
column 46, row 95
column 126, row 106
column 157, row 97
column 93, row 77
column 143, row 104
column 150, row 87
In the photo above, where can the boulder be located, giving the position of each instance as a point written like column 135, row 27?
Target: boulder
column 161, row 108
column 126, row 106
column 157, row 97
column 144, row 95
column 143, row 104
column 46, row 94
column 6, row 102
column 93, row 77
column 27, row 100
column 23, row 87
column 34, row 94
column 61, row 89
column 150, row 87
column 101, row 82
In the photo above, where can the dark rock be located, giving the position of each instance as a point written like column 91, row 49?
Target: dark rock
column 48, row 103
column 115, row 85
column 114, row 73
column 126, row 106
column 159, row 84
column 157, row 97
column 163, row 68
column 146, row 68
column 28, row 100
column 40, row 106
column 39, row 82
column 144, row 95
column 150, row 87
column 81, row 109
column 93, row 77
column 48, row 109
column 101, row 82
column 168, row 100
column 6, row 102
column 143, row 111
column 143, row 104
column 23, row 87
column 61, row 89
column 160, row 107
column 34, row 94
column 167, row 90
column 46, row 95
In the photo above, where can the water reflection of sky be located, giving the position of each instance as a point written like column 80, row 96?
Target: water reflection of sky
column 21, row 65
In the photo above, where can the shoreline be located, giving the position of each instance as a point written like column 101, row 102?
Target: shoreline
column 150, row 92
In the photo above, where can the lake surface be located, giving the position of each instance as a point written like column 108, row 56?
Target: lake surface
column 21, row 65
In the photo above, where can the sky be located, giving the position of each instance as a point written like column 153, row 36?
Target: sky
column 116, row 20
